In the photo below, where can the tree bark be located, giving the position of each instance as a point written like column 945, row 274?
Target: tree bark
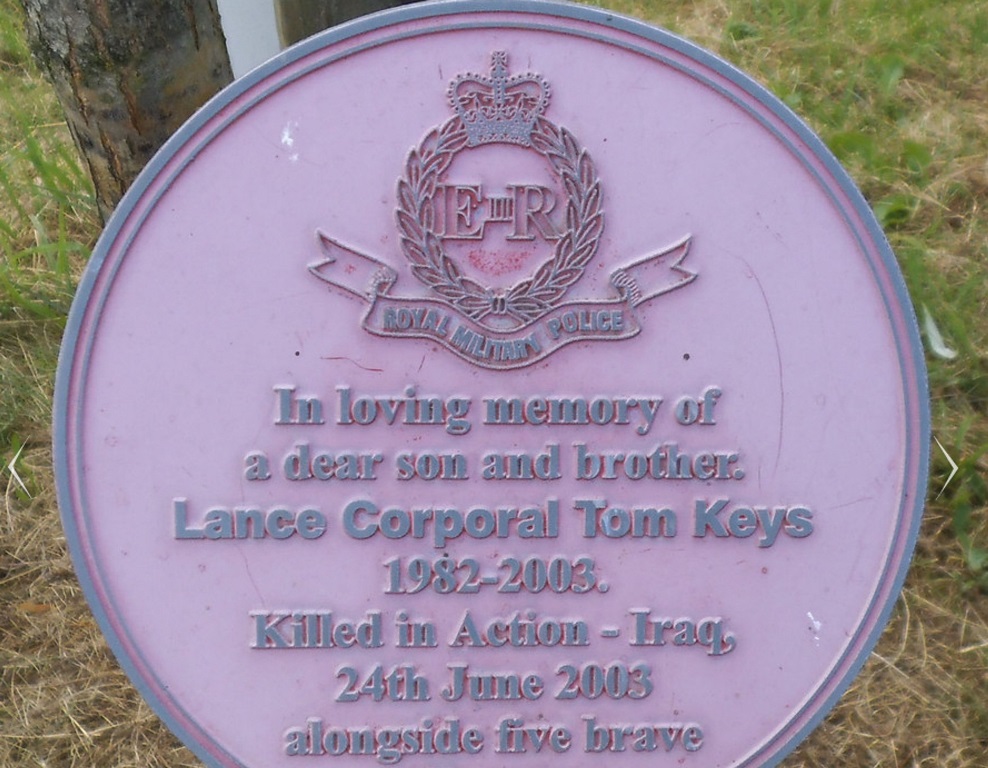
column 128, row 73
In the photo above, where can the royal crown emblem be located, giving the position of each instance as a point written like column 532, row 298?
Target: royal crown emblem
column 499, row 108
column 517, row 324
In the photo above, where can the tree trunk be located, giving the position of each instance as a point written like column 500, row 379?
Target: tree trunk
column 298, row 19
column 128, row 73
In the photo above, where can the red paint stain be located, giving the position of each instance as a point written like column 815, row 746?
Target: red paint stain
column 495, row 262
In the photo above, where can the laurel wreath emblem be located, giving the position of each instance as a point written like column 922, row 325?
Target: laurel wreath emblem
column 534, row 296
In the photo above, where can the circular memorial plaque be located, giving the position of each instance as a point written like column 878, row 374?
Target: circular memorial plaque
column 492, row 384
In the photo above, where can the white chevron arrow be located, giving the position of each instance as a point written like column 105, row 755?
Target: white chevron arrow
column 13, row 472
column 953, row 468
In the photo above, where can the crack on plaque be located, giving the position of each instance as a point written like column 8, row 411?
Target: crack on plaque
column 778, row 359
column 250, row 576
column 774, row 232
column 862, row 500
column 354, row 362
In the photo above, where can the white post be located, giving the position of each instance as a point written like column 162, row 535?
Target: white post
column 251, row 33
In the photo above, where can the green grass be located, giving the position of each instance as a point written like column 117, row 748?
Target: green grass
column 897, row 90
column 47, row 229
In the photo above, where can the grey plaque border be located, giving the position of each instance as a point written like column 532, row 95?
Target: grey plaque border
column 95, row 285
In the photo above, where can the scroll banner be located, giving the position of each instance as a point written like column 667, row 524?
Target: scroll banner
column 608, row 319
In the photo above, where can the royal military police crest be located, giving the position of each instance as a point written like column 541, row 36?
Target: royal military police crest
column 510, row 323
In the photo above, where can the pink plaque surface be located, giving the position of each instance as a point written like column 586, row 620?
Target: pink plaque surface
column 492, row 384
